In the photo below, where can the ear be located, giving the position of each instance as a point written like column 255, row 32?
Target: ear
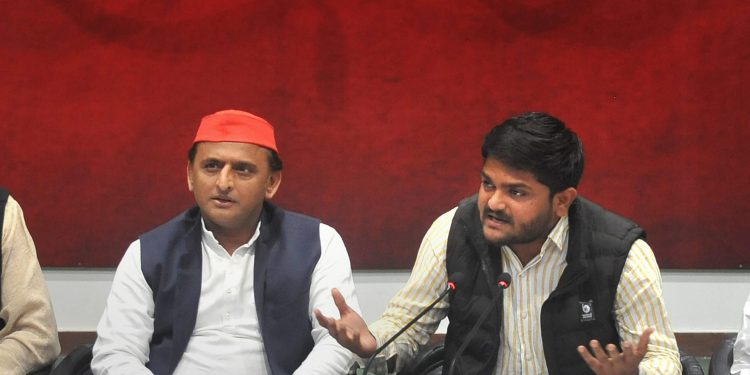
column 274, row 180
column 190, row 176
column 561, row 201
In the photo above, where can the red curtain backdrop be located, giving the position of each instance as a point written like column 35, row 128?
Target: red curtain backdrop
column 380, row 108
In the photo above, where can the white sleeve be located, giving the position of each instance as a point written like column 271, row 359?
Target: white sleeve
column 332, row 271
column 741, row 363
column 125, row 329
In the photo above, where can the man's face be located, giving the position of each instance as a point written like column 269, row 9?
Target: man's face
column 230, row 181
column 514, row 207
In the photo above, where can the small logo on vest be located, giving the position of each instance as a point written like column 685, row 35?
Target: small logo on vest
column 587, row 310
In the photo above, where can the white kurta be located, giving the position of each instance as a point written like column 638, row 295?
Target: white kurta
column 226, row 338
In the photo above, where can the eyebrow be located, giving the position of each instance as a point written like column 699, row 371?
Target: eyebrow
column 234, row 164
column 511, row 185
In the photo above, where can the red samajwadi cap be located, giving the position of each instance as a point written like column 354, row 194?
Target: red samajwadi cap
column 236, row 126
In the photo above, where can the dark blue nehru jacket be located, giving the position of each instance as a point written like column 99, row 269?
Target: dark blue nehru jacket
column 286, row 253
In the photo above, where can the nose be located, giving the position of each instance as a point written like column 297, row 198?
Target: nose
column 225, row 180
column 496, row 201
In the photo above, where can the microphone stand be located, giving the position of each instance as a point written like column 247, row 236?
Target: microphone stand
column 452, row 285
column 502, row 283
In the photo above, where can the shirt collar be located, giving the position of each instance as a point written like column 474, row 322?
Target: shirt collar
column 210, row 241
column 558, row 236
column 557, row 239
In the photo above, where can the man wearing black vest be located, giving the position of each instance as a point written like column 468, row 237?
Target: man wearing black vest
column 584, row 279
column 228, row 286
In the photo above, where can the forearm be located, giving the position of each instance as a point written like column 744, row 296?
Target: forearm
column 112, row 362
column 326, row 358
column 29, row 348
column 639, row 305
column 19, row 357
column 660, row 360
column 121, row 347
column 333, row 270
column 424, row 286
column 29, row 339
column 126, row 326
column 427, row 281
column 399, row 312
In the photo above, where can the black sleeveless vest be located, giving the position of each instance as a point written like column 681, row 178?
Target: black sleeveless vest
column 578, row 310
column 286, row 253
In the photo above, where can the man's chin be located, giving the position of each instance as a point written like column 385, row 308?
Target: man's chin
column 220, row 220
column 494, row 237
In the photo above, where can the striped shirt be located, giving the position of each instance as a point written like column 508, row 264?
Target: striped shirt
column 638, row 303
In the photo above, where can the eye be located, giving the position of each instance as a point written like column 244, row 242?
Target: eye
column 517, row 192
column 486, row 185
column 212, row 165
column 244, row 169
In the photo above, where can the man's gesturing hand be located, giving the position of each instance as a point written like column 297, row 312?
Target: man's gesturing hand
column 351, row 330
column 613, row 361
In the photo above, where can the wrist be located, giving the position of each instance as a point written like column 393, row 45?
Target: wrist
column 369, row 345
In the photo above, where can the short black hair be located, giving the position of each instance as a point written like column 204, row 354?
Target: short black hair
column 541, row 144
column 274, row 161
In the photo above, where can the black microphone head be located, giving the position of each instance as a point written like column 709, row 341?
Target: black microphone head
column 503, row 280
column 455, row 280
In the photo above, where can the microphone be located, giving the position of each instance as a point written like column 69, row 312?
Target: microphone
column 503, row 282
column 454, row 280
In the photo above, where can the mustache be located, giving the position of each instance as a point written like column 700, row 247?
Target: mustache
column 498, row 215
column 222, row 197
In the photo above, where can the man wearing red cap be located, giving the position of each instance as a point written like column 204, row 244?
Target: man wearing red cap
column 228, row 286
